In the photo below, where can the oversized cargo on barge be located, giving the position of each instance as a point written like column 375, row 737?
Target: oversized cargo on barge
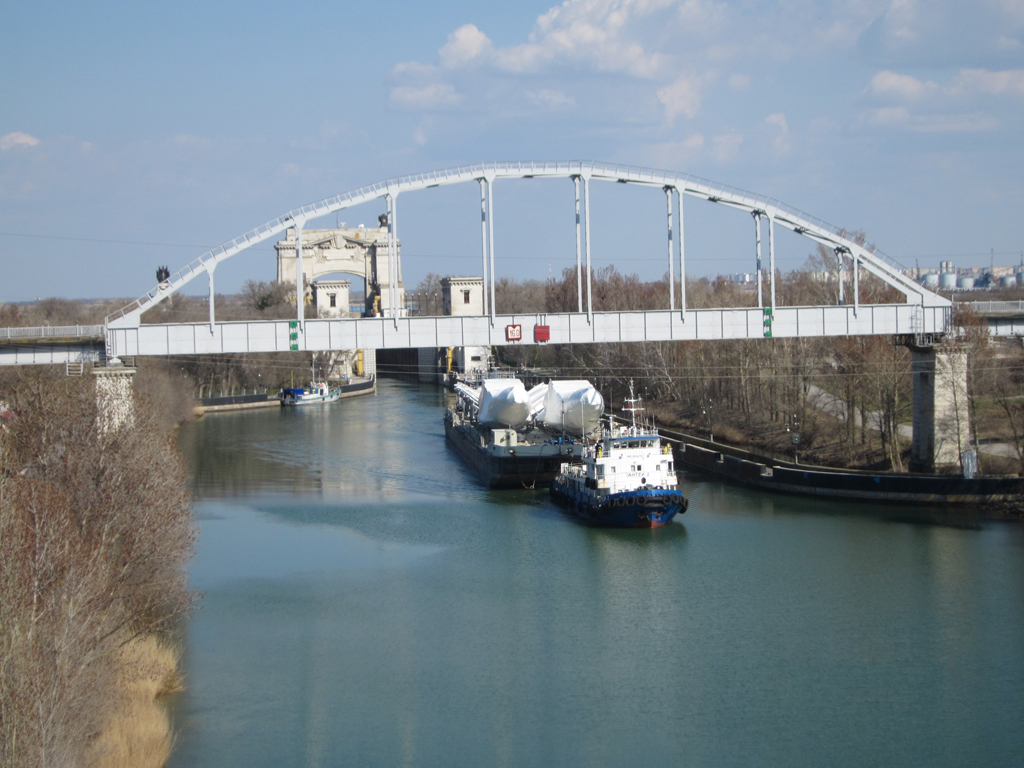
column 500, row 430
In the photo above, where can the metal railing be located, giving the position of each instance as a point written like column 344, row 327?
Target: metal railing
column 53, row 332
column 995, row 307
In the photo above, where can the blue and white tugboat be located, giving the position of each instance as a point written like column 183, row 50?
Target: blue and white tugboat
column 626, row 480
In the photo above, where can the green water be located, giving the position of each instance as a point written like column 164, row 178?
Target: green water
column 366, row 603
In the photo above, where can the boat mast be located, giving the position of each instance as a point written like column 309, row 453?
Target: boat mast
column 632, row 407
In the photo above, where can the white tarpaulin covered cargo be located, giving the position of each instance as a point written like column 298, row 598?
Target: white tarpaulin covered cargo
column 503, row 402
column 574, row 406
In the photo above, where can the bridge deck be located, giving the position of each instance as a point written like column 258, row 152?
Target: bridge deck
column 406, row 332
column 391, row 333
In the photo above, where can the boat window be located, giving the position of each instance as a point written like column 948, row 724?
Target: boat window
column 600, row 470
column 670, row 467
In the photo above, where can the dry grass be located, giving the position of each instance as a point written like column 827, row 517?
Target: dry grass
column 139, row 733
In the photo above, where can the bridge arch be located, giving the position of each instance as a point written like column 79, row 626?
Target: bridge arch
column 676, row 185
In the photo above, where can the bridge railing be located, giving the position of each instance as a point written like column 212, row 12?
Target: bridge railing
column 52, row 332
column 995, row 307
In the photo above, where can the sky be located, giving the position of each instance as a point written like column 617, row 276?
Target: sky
column 134, row 135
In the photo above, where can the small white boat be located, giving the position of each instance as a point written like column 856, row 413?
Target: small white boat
column 316, row 392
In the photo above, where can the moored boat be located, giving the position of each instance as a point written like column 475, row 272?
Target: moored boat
column 626, row 480
column 316, row 392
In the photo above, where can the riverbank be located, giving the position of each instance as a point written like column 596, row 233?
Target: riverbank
column 96, row 527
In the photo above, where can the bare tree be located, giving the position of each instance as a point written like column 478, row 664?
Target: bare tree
column 95, row 527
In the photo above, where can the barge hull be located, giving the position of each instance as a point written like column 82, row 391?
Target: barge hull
column 529, row 470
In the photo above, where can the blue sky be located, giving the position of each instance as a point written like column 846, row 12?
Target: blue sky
column 172, row 127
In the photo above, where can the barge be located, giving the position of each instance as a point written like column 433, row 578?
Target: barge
column 503, row 432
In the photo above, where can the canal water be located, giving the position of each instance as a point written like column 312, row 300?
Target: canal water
column 367, row 603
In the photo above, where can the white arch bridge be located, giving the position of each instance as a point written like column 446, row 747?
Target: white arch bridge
column 922, row 311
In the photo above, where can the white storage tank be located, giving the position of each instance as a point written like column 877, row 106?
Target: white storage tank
column 947, row 281
column 965, row 283
column 1008, row 281
column 931, row 281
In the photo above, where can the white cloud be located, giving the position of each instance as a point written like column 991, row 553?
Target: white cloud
column 17, row 139
column 464, row 45
column 900, row 117
column 551, row 99
column 739, row 81
column 597, row 33
column 189, row 140
column 954, row 123
column 414, row 69
column 886, row 116
column 430, row 96
column 681, row 97
column 419, row 136
column 675, row 154
column 974, row 81
column 781, row 141
column 886, row 83
column 945, row 33
column 968, row 82
column 726, row 146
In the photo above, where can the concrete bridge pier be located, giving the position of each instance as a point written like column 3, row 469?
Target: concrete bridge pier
column 941, row 418
column 114, row 397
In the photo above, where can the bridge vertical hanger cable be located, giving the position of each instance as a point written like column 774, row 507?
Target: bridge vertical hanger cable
column 579, row 265
column 671, row 253
column 396, row 279
column 682, row 258
column 841, row 276
column 213, row 321
column 757, row 230
column 300, row 278
column 586, row 218
column 483, row 240
column 490, row 238
column 771, row 256
column 387, row 310
column 856, row 284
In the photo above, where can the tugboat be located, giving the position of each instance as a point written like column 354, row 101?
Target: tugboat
column 626, row 480
column 516, row 438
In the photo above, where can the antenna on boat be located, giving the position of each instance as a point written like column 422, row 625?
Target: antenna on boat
column 631, row 405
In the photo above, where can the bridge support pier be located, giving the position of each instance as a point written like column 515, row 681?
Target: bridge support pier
column 114, row 397
column 941, row 416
